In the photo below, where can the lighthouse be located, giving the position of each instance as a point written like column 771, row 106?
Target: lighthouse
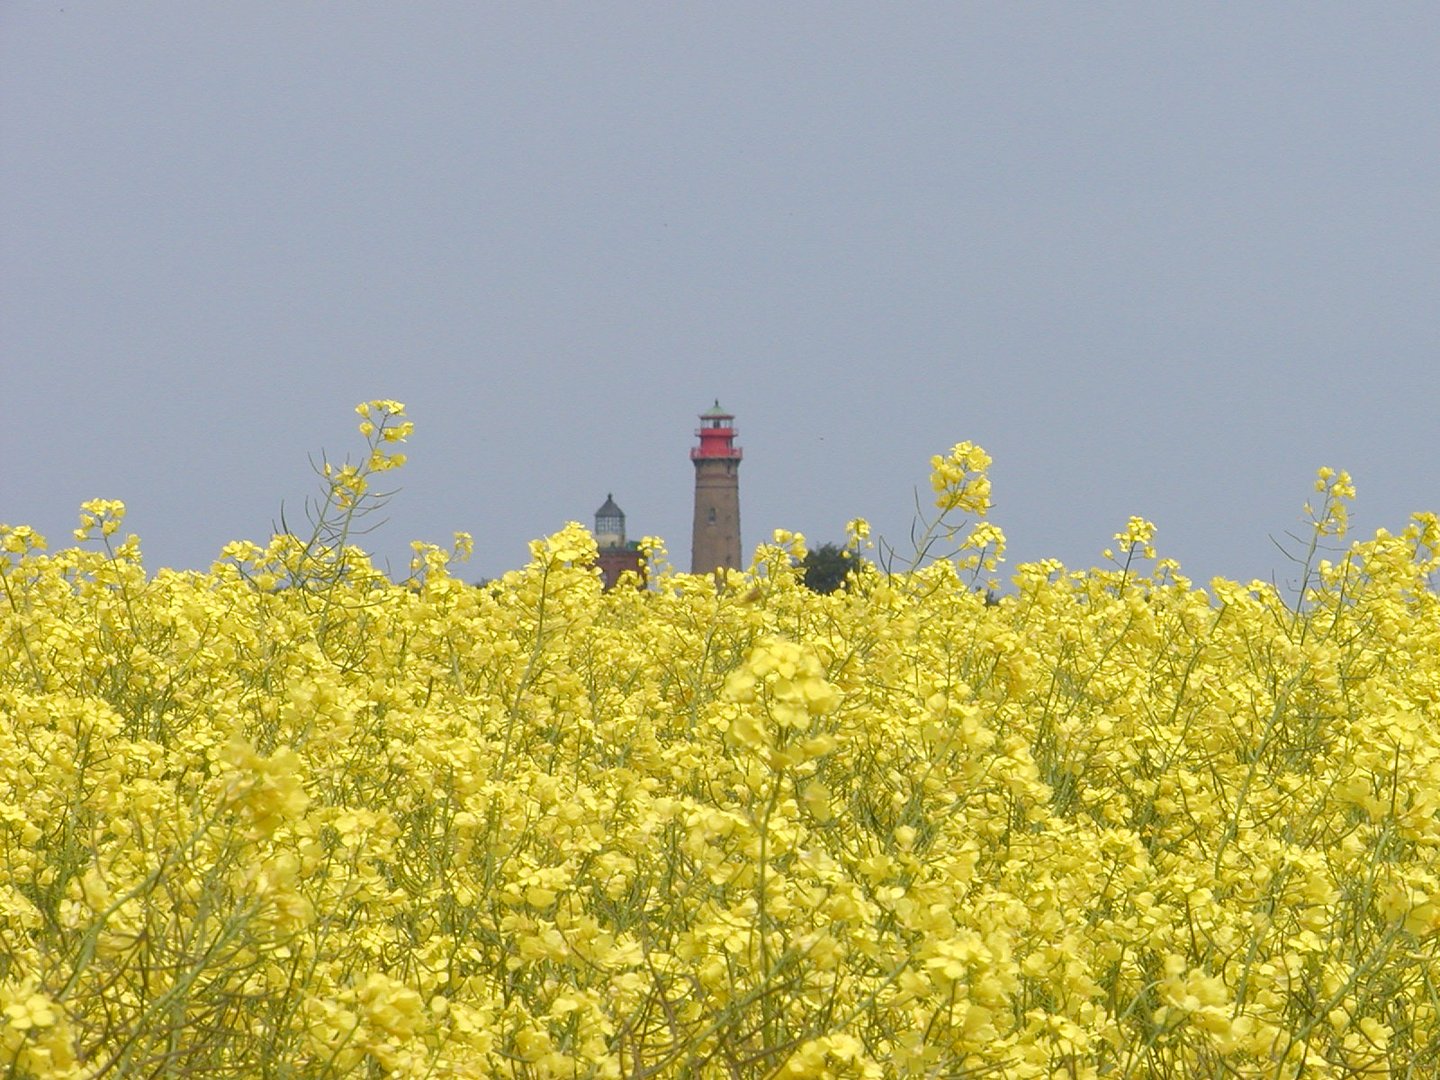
column 715, row 536
column 615, row 555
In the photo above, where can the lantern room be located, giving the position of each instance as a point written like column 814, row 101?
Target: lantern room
column 610, row 525
column 717, row 435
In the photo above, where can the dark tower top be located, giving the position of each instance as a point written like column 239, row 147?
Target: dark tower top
column 610, row 525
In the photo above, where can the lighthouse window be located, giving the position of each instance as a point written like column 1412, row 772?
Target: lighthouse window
column 711, row 516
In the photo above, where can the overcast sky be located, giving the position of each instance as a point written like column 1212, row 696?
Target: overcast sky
column 1159, row 259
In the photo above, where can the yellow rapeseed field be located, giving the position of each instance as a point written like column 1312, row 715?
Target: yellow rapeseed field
column 287, row 818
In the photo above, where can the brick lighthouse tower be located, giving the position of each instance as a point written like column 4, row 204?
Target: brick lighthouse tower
column 715, row 537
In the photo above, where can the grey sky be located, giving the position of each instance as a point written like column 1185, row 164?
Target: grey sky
column 1158, row 259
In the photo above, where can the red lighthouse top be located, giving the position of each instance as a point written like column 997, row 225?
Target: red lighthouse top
column 717, row 435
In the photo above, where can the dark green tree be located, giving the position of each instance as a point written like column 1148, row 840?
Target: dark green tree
column 824, row 568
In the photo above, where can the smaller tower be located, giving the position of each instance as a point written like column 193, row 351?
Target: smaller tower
column 615, row 555
column 715, row 535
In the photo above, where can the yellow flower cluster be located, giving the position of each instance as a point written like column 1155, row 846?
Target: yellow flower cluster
column 959, row 479
column 275, row 822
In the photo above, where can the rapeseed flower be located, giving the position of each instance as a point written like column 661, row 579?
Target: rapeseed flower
column 1115, row 825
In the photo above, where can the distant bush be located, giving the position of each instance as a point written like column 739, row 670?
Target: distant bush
column 823, row 569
